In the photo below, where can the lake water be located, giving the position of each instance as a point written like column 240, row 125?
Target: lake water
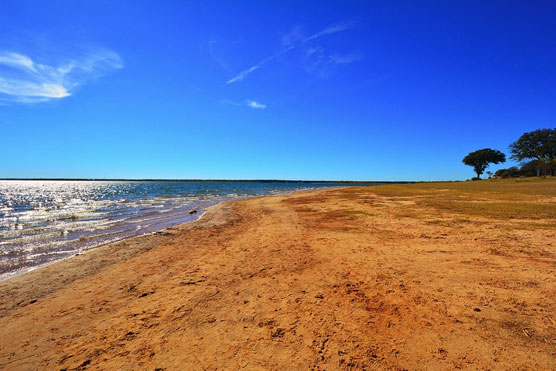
column 45, row 221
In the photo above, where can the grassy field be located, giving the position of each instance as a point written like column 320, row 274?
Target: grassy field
column 527, row 198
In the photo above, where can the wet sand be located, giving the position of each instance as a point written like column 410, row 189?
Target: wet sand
column 331, row 279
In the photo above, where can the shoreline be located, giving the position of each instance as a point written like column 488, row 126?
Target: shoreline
column 19, row 272
column 342, row 278
column 97, row 254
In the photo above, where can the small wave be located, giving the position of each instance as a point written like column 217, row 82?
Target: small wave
column 55, row 216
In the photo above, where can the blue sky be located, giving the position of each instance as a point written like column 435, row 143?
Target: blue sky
column 381, row 90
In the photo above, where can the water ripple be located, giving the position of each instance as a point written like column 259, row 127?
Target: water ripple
column 45, row 221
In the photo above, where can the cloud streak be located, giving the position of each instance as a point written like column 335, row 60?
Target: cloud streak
column 290, row 42
column 243, row 74
column 248, row 102
column 24, row 80
column 331, row 29
column 322, row 65
column 254, row 104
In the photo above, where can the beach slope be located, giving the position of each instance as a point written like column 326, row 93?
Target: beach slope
column 416, row 276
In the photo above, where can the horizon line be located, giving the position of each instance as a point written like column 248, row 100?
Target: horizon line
column 215, row 180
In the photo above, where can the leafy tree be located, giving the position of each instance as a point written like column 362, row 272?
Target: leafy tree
column 531, row 168
column 528, row 169
column 508, row 173
column 481, row 158
column 552, row 165
column 539, row 145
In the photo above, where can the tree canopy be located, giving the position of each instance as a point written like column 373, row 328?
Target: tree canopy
column 481, row 158
column 539, row 145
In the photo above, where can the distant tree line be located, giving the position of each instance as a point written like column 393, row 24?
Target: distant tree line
column 536, row 150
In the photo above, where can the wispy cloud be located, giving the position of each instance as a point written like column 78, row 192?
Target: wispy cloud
column 230, row 102
column 290, row 41
column 24, row 80
column 332, row 29
column 216, row 59
column 321, row 64
column 254, row 104
column 243, row 74
column 294, row 36
column 346, row 58
column 248, row 102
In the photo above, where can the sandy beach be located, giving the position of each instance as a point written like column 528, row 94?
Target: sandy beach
column 424, row 276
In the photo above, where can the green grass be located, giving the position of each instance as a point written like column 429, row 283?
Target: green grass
column 524, row 187
column 496, row 209
column 524, row 198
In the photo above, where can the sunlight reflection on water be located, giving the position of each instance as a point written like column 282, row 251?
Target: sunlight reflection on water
column 45, row 221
